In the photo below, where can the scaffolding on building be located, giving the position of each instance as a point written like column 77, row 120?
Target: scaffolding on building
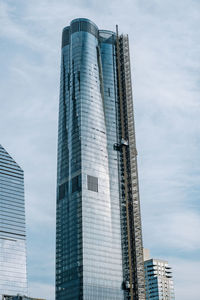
column 133, row 264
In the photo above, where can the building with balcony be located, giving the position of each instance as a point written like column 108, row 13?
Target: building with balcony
column 158, row 280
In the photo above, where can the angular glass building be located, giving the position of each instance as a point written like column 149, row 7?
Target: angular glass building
column 13, row 279
column 99, row 253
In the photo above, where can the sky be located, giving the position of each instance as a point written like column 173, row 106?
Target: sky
column 165, row 59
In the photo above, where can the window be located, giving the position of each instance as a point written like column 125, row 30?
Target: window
column 79, row 80
column 92, row 183
column 76, row 184
column 68, row 81
column 61, row 191
column 75, row 27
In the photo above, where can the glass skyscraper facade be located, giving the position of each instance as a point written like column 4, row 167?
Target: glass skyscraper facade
column 99, row 253
column 13, row 278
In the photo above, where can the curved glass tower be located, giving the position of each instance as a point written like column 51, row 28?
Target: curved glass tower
column 98, row 239
column 13, row 279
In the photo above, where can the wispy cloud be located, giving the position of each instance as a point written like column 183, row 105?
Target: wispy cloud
column 176, row 231
column 186, row 278
column 165, row 69
column 41, row 290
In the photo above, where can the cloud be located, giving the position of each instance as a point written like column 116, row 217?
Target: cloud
column 41, row 291
column 175, row 230
column 165, row 72
column 186, row 275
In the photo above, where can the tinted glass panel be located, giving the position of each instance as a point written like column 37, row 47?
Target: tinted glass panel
column 92, row 183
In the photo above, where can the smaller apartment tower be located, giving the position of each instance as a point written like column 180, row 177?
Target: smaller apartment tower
column 13, row 279
column 158, row 278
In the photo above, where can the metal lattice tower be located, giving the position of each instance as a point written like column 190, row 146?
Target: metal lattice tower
column 134, row 280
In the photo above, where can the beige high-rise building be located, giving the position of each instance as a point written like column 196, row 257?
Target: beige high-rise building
column 158, row 279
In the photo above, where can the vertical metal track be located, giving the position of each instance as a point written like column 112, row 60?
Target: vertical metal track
column 124, row 160
column 137, row 226
column 133, row 216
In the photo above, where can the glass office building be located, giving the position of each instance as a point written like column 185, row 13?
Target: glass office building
column 13, row 279
column 99, row 253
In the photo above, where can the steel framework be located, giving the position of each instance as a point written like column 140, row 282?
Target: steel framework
column 133, row 264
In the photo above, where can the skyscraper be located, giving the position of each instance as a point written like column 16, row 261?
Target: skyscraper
column 13, row 279
column 158, row 279
column 99, row 253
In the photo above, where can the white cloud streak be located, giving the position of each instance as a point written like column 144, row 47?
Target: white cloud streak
column 165, row 66
column 186, row 278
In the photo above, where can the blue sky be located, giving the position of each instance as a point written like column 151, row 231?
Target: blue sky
column 165, row 57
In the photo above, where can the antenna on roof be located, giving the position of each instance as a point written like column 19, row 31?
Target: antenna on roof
column 117, row 30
